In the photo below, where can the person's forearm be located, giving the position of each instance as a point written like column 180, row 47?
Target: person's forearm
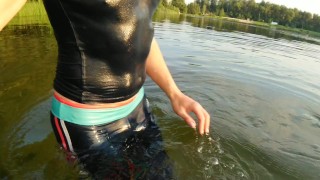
column 182, row 104
column 8, row 9
column 159, row 72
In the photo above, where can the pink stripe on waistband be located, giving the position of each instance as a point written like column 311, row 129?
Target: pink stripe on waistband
column 91, row 106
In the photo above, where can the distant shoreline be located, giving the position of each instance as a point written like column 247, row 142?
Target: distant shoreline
column 263, row 24
column 34, row 13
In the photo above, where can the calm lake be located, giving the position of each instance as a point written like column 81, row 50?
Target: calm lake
column 260, row 85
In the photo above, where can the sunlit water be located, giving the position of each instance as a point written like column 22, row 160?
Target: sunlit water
column 262, row 91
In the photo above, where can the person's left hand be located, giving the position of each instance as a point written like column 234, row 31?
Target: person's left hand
column 184, row 105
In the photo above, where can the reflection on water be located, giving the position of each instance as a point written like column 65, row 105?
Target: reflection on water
column 27, row 55
column 234, row 26
column 263, row 93
column 260, row 86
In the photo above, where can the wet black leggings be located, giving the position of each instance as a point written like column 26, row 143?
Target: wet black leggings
column 129, row 148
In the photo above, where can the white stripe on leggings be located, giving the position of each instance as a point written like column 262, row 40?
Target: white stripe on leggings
column 66, row 133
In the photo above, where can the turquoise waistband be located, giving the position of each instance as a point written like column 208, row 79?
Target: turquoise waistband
column 89, row 117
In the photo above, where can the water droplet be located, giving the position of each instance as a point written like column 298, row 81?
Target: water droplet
column 84, row 174
column 220, row 151
column 200, row 149
column 240, row 174
column 214, row 161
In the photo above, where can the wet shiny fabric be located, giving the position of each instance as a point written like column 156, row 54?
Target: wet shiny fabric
column 130, row 148
column 103, row 46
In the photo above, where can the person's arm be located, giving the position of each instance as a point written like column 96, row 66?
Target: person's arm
column 9, row 8
column 181, row 104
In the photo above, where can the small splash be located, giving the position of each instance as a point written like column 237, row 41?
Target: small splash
column 209, row 151
column 231, row 166
column 214, row 161
column 240, row 174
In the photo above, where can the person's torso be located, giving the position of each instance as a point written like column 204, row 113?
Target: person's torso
column 103, row 46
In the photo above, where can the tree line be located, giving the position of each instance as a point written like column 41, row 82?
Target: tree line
column 249, row 9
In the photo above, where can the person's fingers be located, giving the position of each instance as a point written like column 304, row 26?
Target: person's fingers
column 207, row 124
column 188, row 119
column 191, row 106
column 198, row 110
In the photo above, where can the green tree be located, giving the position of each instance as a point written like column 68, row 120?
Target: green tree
column 213, row 5
column 263, row 11
column 237, row 8
column 221, row 12
column 193, row 8
column 180, row 4
column 290, row 16
column 164, row 3
column 254, row 8
column 203, row 6
column 316, row 22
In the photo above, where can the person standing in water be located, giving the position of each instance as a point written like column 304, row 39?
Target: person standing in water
column 99, row 109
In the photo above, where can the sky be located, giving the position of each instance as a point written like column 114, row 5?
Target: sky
column 312, row 6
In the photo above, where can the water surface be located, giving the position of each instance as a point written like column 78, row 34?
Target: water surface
column 260, row 86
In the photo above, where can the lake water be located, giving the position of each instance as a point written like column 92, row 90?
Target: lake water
column 260, row 85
